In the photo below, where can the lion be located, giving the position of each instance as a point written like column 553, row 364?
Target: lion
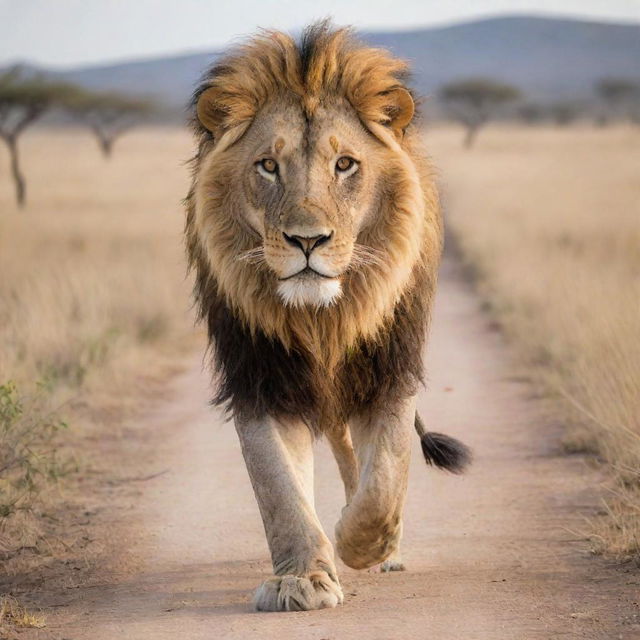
column 314, row 231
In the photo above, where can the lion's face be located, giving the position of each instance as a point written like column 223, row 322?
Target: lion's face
column 312, row 210
column 307, row 187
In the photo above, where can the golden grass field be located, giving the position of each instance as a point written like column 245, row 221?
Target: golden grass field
column 92, row 269
column 549, row 220
column 94, row 299
column 94, row 303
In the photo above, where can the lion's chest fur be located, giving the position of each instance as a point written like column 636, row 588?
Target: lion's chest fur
column 259, row 376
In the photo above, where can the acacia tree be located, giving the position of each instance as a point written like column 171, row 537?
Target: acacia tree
column 475, row 101
column 108, row 114
column 531, row 113
column 22, row 102
column 564, row 113
column 619, row 96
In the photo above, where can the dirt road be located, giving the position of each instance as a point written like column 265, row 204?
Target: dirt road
column 494, row 554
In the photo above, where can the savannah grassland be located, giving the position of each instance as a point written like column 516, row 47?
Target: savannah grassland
column 94, row 316
column 94, row 303
column 548, row 222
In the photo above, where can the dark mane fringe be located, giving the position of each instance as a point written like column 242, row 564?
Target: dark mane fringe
column 257, row 376
column 380, row 373
column 310, row 41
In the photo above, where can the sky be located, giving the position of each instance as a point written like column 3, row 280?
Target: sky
column 69, row 33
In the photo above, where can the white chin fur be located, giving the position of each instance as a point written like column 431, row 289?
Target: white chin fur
column 316, row 292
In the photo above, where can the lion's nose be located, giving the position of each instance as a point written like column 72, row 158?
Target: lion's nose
column 307, row 243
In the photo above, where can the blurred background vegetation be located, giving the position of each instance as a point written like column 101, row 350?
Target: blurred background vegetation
column 525, row 69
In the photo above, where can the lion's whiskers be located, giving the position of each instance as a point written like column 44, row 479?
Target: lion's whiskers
column 363, row 255
column 253, row 256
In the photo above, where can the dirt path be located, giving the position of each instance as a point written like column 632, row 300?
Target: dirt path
column 493, row 554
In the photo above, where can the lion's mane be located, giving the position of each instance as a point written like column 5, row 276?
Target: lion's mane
column 365, row 350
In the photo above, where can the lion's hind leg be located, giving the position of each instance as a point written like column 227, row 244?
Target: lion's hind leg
column 393, row 562
column 339, row 438
column 279, row 458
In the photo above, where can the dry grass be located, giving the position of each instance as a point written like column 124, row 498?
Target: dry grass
column 13, row 614
column 93, row 267
column 93, row 297
column 549, row 220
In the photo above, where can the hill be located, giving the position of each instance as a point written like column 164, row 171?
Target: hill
column 547, row 58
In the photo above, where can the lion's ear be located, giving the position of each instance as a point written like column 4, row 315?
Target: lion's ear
column 398, row 109
column 212, row 112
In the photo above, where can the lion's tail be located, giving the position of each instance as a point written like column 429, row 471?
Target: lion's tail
column 443, row 451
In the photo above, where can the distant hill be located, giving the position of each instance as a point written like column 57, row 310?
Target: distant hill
column 547, row 58
column 544, row 57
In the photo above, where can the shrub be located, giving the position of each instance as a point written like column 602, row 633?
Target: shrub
column 28, row 460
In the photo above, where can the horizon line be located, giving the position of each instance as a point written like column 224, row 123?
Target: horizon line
column 185, row 53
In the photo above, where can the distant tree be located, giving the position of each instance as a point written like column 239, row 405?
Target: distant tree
column 22, row 102
column 619, row 96
column 564, row 113
column 475, row 101
column 109, row 115
column 531, row 113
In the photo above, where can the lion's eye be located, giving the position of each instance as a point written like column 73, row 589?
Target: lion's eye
column 268, row 168
column 269, row 165
column 345, row 165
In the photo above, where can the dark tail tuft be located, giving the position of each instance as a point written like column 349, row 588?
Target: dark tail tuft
column 442, row 451
column 445, row 452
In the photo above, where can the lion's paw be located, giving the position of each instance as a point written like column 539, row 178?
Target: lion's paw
column 315, row 590
column 392, row 565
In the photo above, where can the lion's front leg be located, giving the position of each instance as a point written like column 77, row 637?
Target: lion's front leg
column 370, row 528
column 393, row 562
column 279, row 458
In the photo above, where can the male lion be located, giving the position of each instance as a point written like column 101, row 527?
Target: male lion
column 314, row 230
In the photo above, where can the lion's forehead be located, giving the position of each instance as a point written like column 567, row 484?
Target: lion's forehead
column 283, row 128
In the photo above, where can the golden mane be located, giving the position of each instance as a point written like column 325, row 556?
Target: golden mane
column 325, row 63
column 406, row 237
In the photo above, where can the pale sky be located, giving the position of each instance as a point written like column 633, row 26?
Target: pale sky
column 66, row 33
